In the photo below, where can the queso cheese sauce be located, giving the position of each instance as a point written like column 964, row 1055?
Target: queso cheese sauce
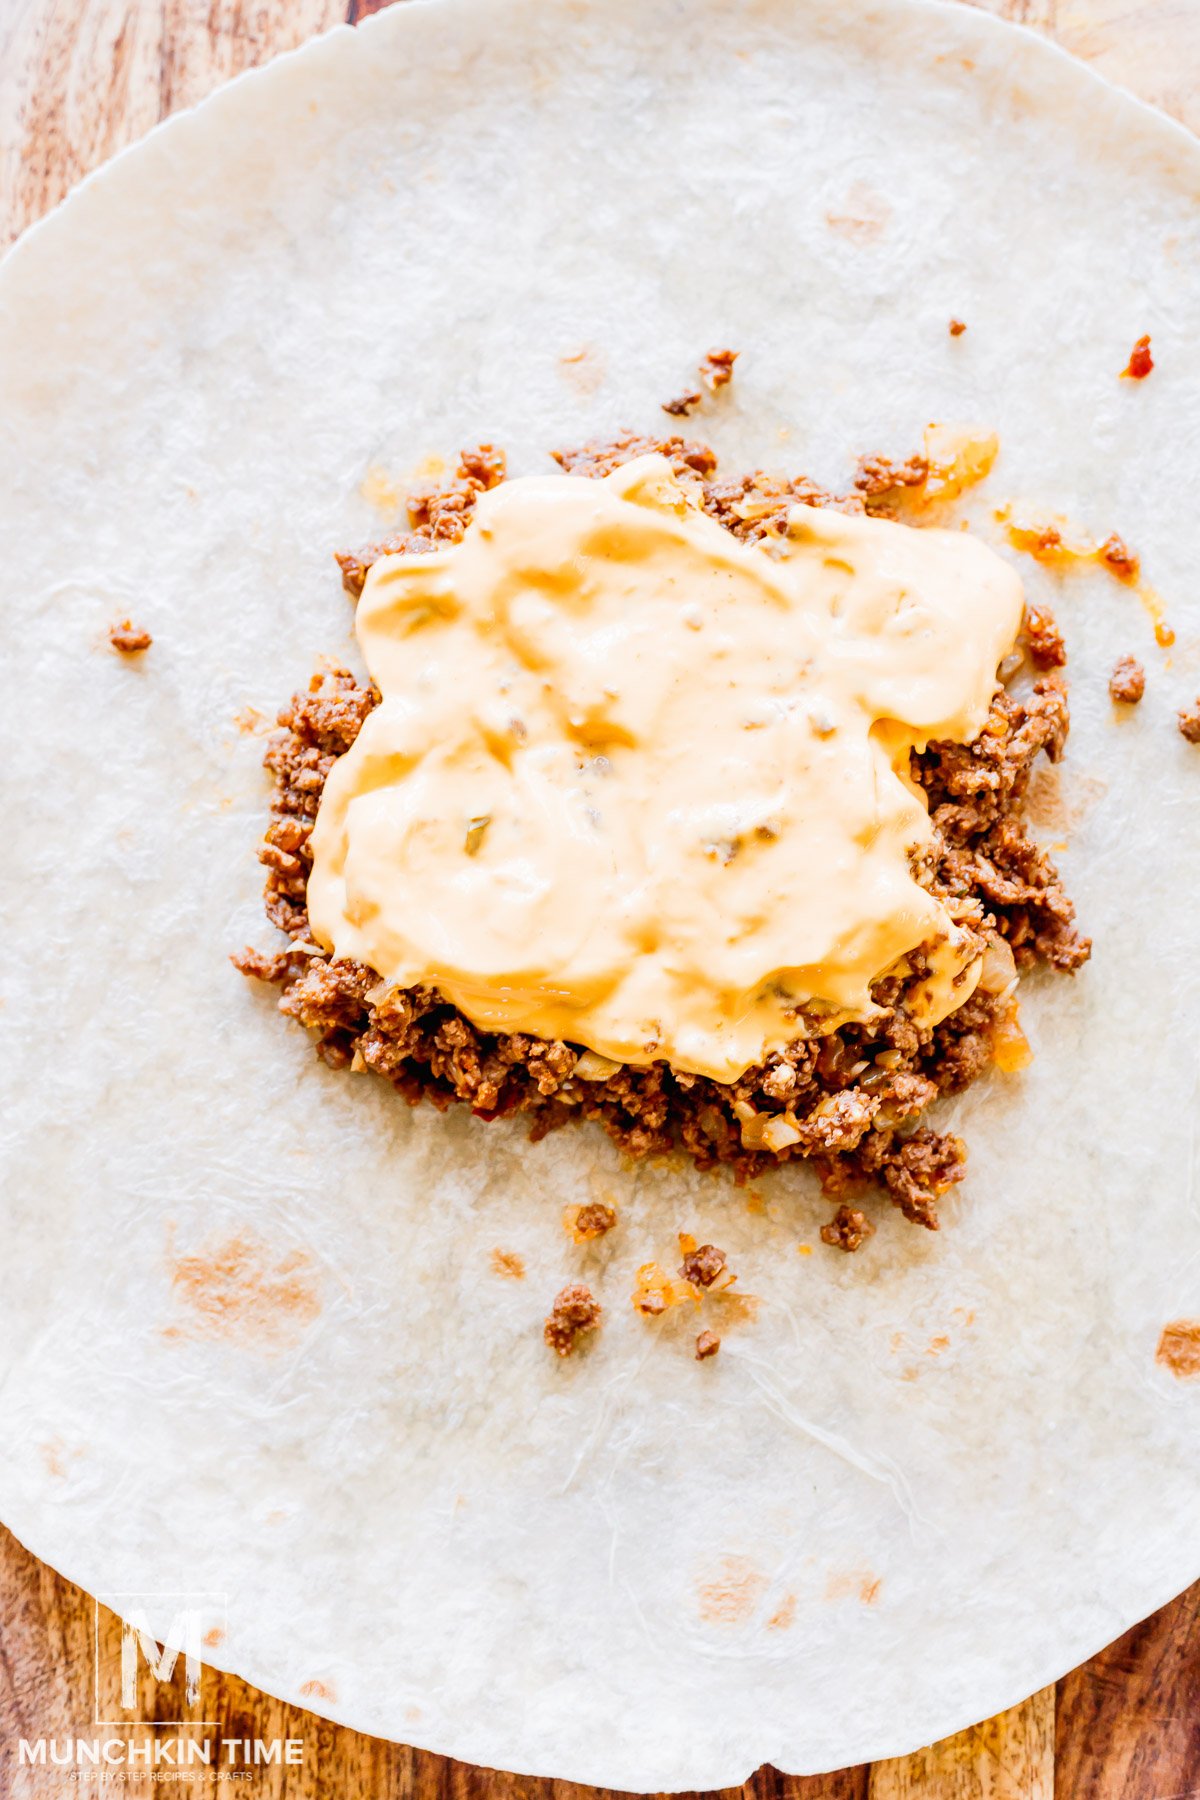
column 639, row 786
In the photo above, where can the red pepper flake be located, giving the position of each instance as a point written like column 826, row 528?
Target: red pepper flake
column 1140, row 361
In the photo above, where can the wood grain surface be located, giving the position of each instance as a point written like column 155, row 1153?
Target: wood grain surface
column 80, row 79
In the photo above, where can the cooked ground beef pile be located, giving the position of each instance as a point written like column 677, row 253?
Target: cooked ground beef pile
column 852, row 1099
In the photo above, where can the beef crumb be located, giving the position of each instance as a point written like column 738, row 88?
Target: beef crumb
column 574, row 1312
column 1127, row 683
column 957, row 328
column 1115, row 553
column 126, row 638
column 847, row 1230
column 1140, row 361
column 1189, row 722
column 593, row 1221
column 1042, row 638
column 682, row 404
column 879, row 475
column 716, row 371
column 707, row 1344
column 701, row 1267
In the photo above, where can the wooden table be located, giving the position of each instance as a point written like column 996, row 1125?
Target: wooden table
column 78, row 80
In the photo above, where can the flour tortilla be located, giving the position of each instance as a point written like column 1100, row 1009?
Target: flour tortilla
column 253, row 1342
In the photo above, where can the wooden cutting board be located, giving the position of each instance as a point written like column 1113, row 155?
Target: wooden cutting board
column 78, row 80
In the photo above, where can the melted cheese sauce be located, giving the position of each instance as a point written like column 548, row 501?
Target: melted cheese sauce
column 642, row 787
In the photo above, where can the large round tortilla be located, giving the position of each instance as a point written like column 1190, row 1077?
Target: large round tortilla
column 253, row 1341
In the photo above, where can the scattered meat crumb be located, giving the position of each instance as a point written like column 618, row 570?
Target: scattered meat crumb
column 716, row 371
column 1140, row 361
column 1189, row 722
column 957, row 328
column 1117, row 555
column 126, row 638
column 1127, row 683
column 682, row 403
column 1042, row 638
column 701, row 1267
column 882, row 474
column 584, row 1222
column 847, row 1229
column 707, row 1344
column 574, row 1311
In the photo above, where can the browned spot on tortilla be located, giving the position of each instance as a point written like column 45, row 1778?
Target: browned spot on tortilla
column 754, row 1201
column 866, row 213
column 784, row 1613
column 318, row 1690
column 854, row 1584
column 240, row 1289
column 731, row 1594
column 412, row 1712
column 1179, row 1348
column 582, row 368
column 508, row 1264
column 51, row 1455
column 213, row 1636
column 937, row 1344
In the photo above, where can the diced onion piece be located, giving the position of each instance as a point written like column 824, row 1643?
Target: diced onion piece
column 594, row 1067
column 656, row 1291
column 778, row 1133
column 998, row 969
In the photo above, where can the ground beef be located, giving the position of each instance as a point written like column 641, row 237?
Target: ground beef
column 716, row 371
column 595, row 1220
column 1140, row 360
column 707, row 1344
column 854, row 1096
column 1042, row 638
column 574, row 1312
column 957, row 328
column 1127, row 683
column 1189, row 722
column 128, row 639
column 847, row 1230
column 879, row 475
column 701, row 1267
column 682, row 404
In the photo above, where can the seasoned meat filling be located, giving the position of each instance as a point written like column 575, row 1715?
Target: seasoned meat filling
column 851, row 1100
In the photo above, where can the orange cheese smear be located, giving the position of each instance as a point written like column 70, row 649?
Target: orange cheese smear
column 639, row 786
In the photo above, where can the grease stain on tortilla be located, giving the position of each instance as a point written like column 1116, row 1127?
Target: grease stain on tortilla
column 865, row 215
column 854, row 1584
column 508, row 1264
column 731, row 1593
column 582, row 368
column 1179, row 1349
column 379, row 490
column 735, row 1307
column 241, row 1290
column 214, row 1636
column 1061, row 805
column 251, row 722
column 317, row 1690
